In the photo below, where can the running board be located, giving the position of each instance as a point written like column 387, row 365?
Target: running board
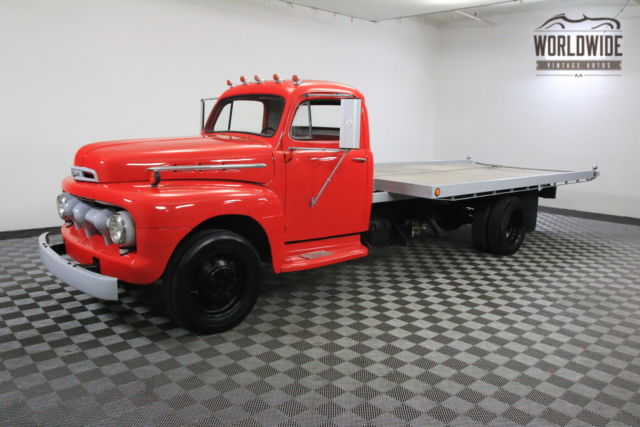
column 317, row 253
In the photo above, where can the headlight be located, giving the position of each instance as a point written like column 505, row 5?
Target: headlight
column 121, row 229
column 61, row 201
column 117, row 230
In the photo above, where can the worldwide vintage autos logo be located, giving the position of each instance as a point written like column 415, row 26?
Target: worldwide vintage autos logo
column 578, row 47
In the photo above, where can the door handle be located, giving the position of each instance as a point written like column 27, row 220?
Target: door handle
column 359, row 159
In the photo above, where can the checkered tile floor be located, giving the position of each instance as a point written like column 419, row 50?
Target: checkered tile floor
column 428, row 334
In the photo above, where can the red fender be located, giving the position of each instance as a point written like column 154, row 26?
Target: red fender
column 183, row 205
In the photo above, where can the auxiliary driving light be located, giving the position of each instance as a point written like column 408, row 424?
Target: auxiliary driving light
column 65, row 203
column 61, row 201
column 243, row 80
column 229, row 83
column 296, row 80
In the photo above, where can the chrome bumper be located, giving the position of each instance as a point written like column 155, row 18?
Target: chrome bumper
column 94, row 284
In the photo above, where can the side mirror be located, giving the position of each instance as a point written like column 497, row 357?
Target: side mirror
column 350, row 112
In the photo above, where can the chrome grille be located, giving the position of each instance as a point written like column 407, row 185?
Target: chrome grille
column 89, row 216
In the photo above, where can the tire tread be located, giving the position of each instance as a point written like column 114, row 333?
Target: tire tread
column 500, row 213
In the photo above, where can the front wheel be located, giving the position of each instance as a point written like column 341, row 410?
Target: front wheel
column 212, row 280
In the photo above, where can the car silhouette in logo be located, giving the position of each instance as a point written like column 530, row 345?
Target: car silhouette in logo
column 562, row 22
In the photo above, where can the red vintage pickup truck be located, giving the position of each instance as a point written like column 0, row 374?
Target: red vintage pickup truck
column 282, row 173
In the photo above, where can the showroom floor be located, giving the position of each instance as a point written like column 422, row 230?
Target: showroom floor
column 431, row 333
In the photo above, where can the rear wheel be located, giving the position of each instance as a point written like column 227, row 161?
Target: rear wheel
column 506, row 226
column 211, row 283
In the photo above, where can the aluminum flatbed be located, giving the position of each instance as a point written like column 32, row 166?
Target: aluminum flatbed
column 464, row 179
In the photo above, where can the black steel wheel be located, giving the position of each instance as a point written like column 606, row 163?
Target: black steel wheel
column 212, row 281
column 506, row 226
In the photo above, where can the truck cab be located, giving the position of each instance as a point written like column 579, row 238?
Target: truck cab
column 282, row 173
column 318, row 132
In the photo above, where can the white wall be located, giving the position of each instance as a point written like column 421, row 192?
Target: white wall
column 79, row 71
column 492, row 106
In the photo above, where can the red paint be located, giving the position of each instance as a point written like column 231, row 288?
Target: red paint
column 276, row 196
column 128, row 161
column 342, row 248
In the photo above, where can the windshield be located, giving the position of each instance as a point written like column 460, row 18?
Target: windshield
column 254, row 114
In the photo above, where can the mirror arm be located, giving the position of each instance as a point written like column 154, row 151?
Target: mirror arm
column 314, row 200
column 202, row 107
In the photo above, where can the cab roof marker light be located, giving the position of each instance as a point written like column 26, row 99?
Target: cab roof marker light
column 296, row 80
column 229, row 83
column 258, row 79
column 276, row 78
column 243, row 80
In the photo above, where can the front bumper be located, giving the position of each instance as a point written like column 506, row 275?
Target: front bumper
column 89, row 282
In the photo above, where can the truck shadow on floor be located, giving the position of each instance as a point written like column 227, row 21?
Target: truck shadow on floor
column 420, row 268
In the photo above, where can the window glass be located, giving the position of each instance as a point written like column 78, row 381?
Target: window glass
column 255, row 114
column 317, row 120
column 222, row 123
column 300, row 125
column 247, row 116
column 326, row 116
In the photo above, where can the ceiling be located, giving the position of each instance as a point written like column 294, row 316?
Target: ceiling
column 379, row 10
column 439, row 11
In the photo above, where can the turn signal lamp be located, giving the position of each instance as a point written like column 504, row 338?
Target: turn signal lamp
column 437, row 192
column 154, row 178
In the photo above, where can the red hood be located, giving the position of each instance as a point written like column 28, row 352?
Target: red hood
column 129, row 160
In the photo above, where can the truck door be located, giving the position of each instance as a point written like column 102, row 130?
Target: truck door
column 327, row 170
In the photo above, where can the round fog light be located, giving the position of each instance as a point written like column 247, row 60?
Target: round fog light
column 61, row 201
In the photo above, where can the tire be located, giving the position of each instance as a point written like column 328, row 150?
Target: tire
column 506, row 226
column 211, row 283
column 479, row 226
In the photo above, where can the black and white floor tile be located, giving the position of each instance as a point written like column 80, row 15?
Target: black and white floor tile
column 433, row 333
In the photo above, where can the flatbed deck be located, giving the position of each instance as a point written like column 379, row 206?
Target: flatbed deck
column 465, row 179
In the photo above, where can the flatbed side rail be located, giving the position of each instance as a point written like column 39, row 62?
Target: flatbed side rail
column 395, row 186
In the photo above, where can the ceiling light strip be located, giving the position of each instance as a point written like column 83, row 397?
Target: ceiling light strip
column 451, row 10
column 416, row 15
column 316, row 9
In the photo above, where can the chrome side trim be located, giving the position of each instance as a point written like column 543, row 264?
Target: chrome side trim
column 157, row 169
column 80, row 173
column 207, row 167
column 94, row 284
column 329, row 150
